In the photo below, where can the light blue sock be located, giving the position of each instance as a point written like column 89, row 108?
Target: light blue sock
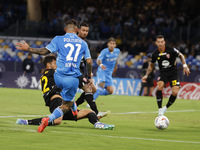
column 56, row 114
column 105, row 92
column 100, row 91
column 74, row 107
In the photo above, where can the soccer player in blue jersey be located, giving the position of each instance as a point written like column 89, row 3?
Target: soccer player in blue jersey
column 70, row 50
column 107, row 61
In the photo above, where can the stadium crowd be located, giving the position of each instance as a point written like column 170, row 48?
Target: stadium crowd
column 10, row 12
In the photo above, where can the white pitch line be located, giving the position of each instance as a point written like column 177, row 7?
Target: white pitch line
column 131, row 138
column 143, row 112
column 106, row 136
column 136, row 112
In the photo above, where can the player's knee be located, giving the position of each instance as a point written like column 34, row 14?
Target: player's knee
column 160, row 87
column 57, row 121
column 87, row 89
column 175, row 92
column 110, row 91
column 94, row 89
column 66, row 106
column 102, row 84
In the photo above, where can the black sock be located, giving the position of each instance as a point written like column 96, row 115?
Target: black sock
column 35, row 121
column 92, row 117
column 159, row 98
column 89, row 98
column 141, row 89
column 38, row 122
column 81, row 99
column 171, row 100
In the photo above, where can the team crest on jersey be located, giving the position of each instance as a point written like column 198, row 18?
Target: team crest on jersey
column 158, row 58
column 168, row 56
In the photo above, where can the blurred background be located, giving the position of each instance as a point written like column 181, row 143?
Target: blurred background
column 134, row 24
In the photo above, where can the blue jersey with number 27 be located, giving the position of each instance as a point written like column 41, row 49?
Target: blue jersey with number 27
column 70, row 50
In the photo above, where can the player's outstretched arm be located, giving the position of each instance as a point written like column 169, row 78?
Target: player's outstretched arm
column 149, row 70
column 186, row 70
column 25, row 47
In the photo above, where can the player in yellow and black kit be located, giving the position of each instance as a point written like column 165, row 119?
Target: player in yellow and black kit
column 166, row 58
column 53, row 99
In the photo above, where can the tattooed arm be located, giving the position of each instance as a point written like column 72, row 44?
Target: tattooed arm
column 89, row 69
column 89, row 66
column 25, row 47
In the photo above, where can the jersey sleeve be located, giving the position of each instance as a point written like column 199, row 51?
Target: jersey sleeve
column 101, row 55
column 52, row 46
column 87, row 52
column 176, row 52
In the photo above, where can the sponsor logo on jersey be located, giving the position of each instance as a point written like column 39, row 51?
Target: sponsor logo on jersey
column 161, row 54
column 165, row 63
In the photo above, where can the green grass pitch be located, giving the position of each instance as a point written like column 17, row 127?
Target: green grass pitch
column 133, row 117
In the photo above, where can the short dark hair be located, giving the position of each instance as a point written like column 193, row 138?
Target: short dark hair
column 159, row 37
column 71, row 22
column 111, row 39
column 84, row 24
column 48, row 59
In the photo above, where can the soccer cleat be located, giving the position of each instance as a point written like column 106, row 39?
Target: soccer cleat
column 164, row 109
column 160, row 112
column 103, row 114
column 74, row 109
column 75, row 113
column 103, row 126
column 22, row 122
column 44, row 123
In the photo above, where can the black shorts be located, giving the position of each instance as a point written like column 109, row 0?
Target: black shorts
column 171, row 77
column 47, row 96
column 58, row 102
column 82, row 81
column 149, row 83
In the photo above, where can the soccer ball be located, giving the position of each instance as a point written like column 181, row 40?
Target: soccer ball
column 161, row 122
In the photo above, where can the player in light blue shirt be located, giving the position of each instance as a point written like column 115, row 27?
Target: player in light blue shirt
column 70, row 50
column 107, row 62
